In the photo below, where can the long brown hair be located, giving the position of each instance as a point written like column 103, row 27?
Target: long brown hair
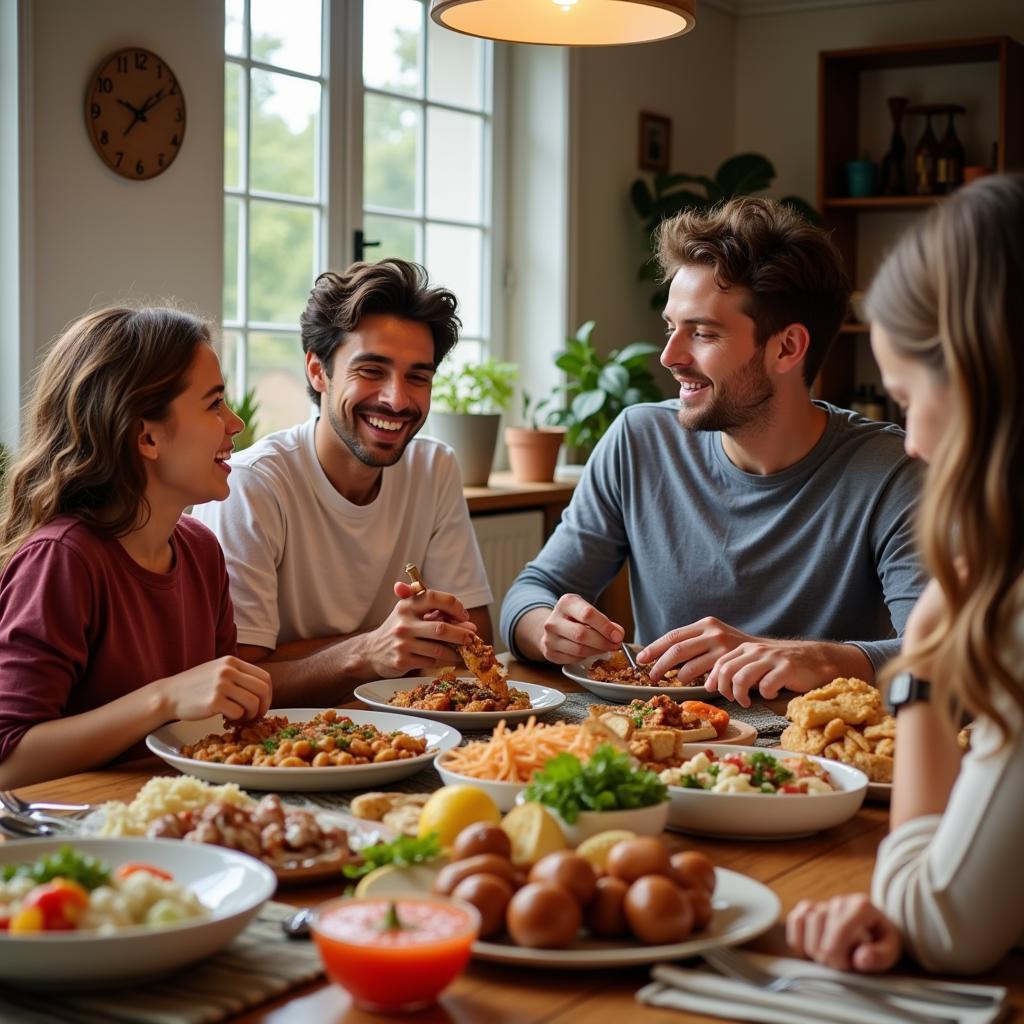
column 951, row 295
column 79, row 455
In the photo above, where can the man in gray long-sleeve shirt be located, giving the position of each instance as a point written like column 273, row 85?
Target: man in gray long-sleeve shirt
column 769, row 537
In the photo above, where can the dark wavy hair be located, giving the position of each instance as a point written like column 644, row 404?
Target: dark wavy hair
column 790, row 269
column 79, row 455
column 338, row 302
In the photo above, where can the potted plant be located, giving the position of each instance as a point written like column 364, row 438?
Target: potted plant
column 741, row 175
column 466, row 406
column 247, row 409
column 533, row 449
column 597, row 389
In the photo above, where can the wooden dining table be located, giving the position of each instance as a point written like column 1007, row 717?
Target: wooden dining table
column 831, row 862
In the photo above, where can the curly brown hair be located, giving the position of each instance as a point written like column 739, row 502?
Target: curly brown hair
column 338, row 302
column 107, row 371
column 949, row 295
column 789, row 269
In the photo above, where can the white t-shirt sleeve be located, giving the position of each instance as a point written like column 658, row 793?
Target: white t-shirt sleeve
column 951, row 883
column 250, row 525
column 453, row 563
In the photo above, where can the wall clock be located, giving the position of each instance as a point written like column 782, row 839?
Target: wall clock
column 135, row 113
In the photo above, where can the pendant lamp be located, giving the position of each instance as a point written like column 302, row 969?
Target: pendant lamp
column 567, row 22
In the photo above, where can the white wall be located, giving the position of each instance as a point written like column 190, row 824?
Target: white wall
column 692, row 80
column 97, row 237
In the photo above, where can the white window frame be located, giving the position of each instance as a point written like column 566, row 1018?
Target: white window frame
column 339, row 190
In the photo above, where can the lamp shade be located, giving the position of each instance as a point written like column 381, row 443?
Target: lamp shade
column 567, row 22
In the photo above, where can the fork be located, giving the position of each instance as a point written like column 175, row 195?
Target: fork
column 630, row 656
column 23, row 828
column 14, row 803
column 52, row 824
column 736, row 965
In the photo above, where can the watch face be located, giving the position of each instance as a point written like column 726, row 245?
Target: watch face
column 135, row 113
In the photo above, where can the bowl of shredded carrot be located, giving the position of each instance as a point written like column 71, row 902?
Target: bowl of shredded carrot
column 504, row 764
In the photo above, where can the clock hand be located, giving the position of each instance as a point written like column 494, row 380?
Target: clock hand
column 153, row 100
column 137, row 114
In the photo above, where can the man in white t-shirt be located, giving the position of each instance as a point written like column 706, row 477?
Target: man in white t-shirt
column 323, row 517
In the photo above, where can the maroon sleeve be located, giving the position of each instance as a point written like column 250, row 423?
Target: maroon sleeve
column 227, row 633
column 46, row 605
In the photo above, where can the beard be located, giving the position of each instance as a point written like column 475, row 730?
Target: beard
column 741, row 402
column 346, row 428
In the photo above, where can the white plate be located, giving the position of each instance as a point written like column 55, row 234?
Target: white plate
column 763, row 815
column 231, row 884
column 622, row 693
column 744, row 909
column 502, row 793
column 168, row 741
column 542, row 700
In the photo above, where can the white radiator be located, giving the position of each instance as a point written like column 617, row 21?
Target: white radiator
column 507, row 542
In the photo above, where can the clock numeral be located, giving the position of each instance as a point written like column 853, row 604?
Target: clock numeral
column 159, row 159
column 174, row 140
column 173, row 91
column 122, row 63
column 120, row 157
column 139, row 169
column 178, row 116
column 104, row 137
column 159, row 69
column 141, row 60
column 94, row 110
column 105, row 84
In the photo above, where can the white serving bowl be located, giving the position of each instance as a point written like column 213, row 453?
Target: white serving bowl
column 644, row 821
column 232, row 885
column 762, row 815
column 502, row 793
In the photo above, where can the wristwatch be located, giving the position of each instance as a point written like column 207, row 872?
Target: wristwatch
column 905, row 689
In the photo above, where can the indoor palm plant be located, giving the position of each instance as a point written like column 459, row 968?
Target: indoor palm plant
column 597, row 389
column 466, row 406
column 741, row 175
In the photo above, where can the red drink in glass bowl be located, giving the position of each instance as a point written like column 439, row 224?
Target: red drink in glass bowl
column 389, row 968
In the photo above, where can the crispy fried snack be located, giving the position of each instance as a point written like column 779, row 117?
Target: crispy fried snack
column 844, row 720
column 480, row 659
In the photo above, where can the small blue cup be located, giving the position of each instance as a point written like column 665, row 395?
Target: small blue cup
column 860, row 178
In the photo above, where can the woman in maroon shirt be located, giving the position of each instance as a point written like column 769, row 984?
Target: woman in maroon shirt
column 115, row 615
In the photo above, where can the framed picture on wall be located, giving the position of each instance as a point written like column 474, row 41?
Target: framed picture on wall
column 655, row 142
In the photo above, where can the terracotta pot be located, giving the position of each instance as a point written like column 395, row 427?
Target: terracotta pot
column 533, row 454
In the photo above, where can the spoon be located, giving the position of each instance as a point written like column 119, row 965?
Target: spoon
column 297, row 926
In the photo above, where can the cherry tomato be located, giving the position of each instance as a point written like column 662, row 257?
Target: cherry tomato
column 60, row 902
column 28, row 919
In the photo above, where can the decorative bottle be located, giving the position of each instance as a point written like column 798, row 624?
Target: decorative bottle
column 894, row 173
column 949, row 167
column 925, row 158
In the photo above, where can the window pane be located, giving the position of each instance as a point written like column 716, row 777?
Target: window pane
column 234, row 27
column 232, row 125
column 391, row 130
column 391, row 45
column 230, row 351
column 285, row 113
column 454, row 258
column 287, row 34
column 454, row 165
column 232, row 250
column 277, row 372
column 467, row 352
column 455, row 68
column 281, row 261
column 397, row 237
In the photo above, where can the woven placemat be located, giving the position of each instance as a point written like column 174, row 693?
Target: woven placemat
column 259, row 965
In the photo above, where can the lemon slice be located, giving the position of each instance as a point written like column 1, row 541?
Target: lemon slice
column 533, row 832
column 450, row 809
column 393, row 880
column 597, row 847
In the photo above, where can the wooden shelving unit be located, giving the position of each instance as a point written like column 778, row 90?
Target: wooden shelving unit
column 839, row 123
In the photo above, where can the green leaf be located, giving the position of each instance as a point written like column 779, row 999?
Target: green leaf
column 637, row 350
column 641, row 197
column 584, row 332
column 745, row 174
column 663, row 182
column 403, row 851
column 675, row 202
column 614, row 378
column 588, row 403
